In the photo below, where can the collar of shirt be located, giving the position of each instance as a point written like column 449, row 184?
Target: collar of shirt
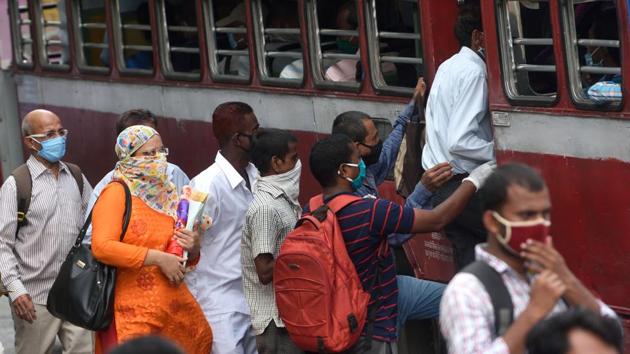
column 482, row 255
column 472, row 56
column 37, row 168
column 235, row 178
column 269, row 188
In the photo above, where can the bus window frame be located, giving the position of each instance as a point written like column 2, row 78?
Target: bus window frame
column 42, row 53
column 316, row 55
column 376, row 59
column 165, row 48
column 506, row 55
column 16, row 34
column 77, row 25
column 119, row 46
column 261, row 53
column 211, row 46
column 572, row 60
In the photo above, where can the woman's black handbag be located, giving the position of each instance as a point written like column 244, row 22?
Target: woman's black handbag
column 83, row 292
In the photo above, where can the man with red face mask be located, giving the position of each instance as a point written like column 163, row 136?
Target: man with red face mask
column 519, row 278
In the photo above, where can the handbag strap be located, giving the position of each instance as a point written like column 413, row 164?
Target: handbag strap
column 126, row 217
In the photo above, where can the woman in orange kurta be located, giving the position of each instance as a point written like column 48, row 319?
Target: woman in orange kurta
column 150, row 297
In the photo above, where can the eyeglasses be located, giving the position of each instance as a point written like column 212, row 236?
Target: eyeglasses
column 49, row 135
column 163, row 151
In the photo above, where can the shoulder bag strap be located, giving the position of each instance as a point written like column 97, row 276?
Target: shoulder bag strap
column 498, row 292
column 77, row 174
column 23, row 187
column 126, row 217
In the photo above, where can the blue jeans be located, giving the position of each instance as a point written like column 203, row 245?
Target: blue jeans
column 417, row 299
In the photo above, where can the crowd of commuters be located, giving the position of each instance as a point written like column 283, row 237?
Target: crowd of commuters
column 496, row 218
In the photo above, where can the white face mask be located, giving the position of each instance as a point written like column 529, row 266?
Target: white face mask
column 288, row 182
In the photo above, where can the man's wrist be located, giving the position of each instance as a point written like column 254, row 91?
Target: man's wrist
column 16, row 289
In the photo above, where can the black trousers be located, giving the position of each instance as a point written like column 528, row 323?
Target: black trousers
column 467, row 229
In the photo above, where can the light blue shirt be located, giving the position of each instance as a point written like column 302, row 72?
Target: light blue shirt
column 175, row 175
column 458, row 125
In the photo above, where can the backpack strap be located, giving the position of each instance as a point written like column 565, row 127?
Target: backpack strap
column 498, row 292
column 75, row 171
column 23, row 187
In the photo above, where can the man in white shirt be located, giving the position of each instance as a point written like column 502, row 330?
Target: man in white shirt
column 458, row 129
column 126, row 120
column 217, row 282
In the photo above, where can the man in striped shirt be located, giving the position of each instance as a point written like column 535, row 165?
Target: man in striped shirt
column 30, row 257
column 336, row 164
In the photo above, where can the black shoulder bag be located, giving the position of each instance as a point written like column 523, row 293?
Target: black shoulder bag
column 83, row 292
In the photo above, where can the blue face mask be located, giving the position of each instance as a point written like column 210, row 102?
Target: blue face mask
column 357, row 182
column 53, row 150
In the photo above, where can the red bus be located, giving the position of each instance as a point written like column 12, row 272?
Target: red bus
column 299, row 63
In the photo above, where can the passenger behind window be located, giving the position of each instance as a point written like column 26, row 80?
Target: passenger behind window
column 183, row 15
column 142, row 59
column 231, row 64
column 283, row 15
column 346, row 69
column 608, row 87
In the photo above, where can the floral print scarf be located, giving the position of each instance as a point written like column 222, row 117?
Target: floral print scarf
column 146, row 176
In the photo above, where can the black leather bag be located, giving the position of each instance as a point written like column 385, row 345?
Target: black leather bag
column 83, row 292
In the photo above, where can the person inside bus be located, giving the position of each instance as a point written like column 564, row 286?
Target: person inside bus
column 142, row 59
column 345, row 69
column 217, row 282
column 271, row 216
column 577, row 331
column 608, row 87
column 336, row 164
column 458, row 129
column 518, row 251
column 127, row 119
column 233, row 64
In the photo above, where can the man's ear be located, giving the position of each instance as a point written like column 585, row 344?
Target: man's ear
column 491, row 224
column 28, row 142
column 275, row 164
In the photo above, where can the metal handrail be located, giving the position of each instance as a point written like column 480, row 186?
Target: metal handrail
column 401, row 60
column 233, row 30
column 536, row 68
column 52, row 23
column 93, row 25
column 533, row 41
column 135, row 26
column 601, row 70
column 147, row 48
column 282, row 31
column 94, row 45
column 190, row 50
column 337, row 32
column 189, row 29
column 340, row 56
column 232, row 53
column 292, row 55
column 399, row 35
column 599, row 43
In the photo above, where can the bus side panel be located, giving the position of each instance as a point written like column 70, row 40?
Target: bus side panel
column 591, row 229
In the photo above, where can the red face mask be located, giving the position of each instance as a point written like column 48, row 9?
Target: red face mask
column 518, row 232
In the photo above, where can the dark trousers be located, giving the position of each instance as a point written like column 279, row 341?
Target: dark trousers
column 276, row 340
column 467, row 229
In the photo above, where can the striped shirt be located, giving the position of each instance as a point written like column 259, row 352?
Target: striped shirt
column 364, row 225
column 29, row 263
column 269, row 219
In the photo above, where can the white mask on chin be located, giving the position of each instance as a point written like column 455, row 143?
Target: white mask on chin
column 288, row 182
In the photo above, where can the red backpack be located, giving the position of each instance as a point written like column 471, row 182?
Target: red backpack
column 318, row 292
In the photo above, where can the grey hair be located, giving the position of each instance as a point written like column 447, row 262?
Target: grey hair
column 26, row 127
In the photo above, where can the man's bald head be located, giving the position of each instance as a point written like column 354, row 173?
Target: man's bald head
column 40, row 121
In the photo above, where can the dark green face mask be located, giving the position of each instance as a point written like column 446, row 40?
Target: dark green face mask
column 346, row 47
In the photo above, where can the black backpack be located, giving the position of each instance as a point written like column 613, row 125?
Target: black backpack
column 498, row 292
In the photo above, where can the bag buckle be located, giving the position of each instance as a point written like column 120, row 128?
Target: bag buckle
column 21, row 217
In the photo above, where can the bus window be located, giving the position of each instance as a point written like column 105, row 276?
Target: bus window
column 394, row 43
column 334, row 43
column 526, row 44
column 132, row 37
column 278, row 41
column 21, row 30
column 90, row 28
column 228, row 48
column 593, row 52
column 179, row 39
column 52, row 31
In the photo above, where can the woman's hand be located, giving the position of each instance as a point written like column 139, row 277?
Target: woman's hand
column 170, row 265
column 190, row 241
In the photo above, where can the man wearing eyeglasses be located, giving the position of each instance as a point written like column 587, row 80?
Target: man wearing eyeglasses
column 33, row 248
